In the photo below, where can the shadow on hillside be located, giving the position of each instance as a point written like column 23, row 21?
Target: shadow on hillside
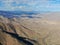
column 25, row 40
column 1, row 44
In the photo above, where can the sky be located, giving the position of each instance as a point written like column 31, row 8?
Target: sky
column 30, row 5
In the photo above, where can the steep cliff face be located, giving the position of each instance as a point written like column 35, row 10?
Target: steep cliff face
column 13, row 33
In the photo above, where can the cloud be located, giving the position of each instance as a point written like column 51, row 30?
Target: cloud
column 17, row 4
column 28, row 5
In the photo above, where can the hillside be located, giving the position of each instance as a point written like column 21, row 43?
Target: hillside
column 41, row 29
column 47, row 25
column 13, row 33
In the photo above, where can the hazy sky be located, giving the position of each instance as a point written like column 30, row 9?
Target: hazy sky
column 30, row 5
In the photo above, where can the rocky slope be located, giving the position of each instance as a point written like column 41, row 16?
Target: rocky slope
column 36, row 30
column 13, row 33
column 47, row 25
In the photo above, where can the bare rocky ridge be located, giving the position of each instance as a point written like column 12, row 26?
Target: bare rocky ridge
column 39, row 30
column 13, row 33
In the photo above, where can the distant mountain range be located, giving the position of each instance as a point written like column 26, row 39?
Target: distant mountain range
column 11, row 13
column 17, row 12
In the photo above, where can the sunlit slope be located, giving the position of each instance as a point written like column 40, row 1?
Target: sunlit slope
column 42, row 29
column 48, row 26
column 13, row 33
